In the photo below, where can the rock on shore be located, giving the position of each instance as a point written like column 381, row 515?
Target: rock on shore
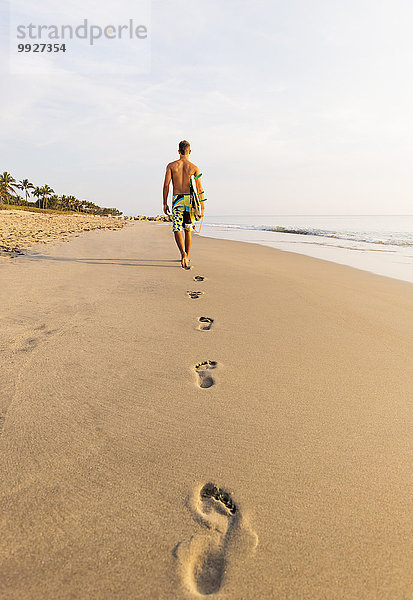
column 162, row 218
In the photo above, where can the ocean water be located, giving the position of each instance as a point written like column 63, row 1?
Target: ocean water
column 381, row 244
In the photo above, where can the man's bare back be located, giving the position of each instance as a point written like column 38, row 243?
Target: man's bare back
column 180, row 171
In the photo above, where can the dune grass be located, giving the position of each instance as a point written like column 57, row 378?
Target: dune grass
column 41, row 210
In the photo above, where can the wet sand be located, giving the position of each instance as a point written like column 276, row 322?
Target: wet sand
column 250, row 441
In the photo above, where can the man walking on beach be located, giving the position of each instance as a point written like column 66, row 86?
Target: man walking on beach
column 180, row 171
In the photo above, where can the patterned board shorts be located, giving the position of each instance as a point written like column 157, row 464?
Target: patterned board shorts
column 182, row 213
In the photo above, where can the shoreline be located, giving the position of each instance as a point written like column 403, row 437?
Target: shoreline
column 139, row 447
column 21, row 230
column 395, row 262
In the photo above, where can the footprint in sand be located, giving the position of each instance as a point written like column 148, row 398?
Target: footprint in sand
column 205, row 559
column 199, row 278
column 203, row 370
column 30, row 343
column 205, row 323
column 194, row 295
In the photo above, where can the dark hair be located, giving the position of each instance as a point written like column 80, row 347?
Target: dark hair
column 183, row 147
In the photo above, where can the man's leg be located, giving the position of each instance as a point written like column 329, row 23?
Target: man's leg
column 177, row 226
column 180, row 243
column 188, row 240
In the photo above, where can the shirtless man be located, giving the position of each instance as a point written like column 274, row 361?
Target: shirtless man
column 180, row 171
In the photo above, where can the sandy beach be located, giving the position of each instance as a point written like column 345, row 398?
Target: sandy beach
column 21, row 229
column 253, row 440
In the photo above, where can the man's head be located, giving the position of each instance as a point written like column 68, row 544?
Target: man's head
column 184, row 148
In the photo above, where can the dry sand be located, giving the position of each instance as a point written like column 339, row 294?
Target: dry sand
column 107, row 439
column 23, row 229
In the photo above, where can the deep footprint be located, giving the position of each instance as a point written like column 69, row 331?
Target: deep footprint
column 210, row 490
column 194, row 295
column 205, row 378
column 199, row 278
column 210, row 568
column 205, row 558
column 208, row 573
column 205, row 323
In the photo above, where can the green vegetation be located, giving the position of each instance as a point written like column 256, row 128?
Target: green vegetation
column 31, row 208
column 46, row 199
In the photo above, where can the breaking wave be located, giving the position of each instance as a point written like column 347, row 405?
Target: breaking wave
column 393, row 239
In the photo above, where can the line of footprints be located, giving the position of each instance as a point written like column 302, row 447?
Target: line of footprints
column 203, row 369
column 204, row 559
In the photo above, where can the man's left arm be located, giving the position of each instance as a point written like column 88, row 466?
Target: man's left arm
column 201, row 193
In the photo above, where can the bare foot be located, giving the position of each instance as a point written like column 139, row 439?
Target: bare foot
column 185, row 261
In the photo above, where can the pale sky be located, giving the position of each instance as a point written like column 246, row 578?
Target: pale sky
column 298, row 107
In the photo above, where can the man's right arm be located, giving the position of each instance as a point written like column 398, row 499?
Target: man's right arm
column 167, row 181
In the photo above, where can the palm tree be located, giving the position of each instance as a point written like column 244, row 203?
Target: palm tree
column 46, row 191
column 7, row 183
column 54, row 200
column 44, row 195
column 19, row 199
column 25, row 185
column 63, row 202
column 72, row 202
column 37, row 193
